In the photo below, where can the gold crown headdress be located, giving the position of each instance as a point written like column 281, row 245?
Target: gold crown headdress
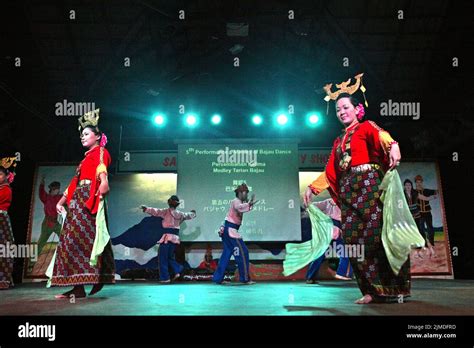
column 344, row 87
column 90, row 118
column 8, row 163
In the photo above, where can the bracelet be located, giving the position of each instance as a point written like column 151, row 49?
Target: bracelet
column 391, row 143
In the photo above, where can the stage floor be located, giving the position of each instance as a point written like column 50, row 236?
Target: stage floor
column 429, row 297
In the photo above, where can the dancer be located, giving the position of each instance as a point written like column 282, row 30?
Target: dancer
column 7, row 166
column 172, row 219
column 426, row 219
column 344, row 269
column 50, row 222
column 357, row 164
column 233, row 243
column 84, row 253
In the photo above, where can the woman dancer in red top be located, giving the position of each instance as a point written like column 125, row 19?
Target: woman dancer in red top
column 6, row 235
column 74, row 264
column 359, row 158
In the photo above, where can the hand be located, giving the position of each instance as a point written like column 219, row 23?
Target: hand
column 395, row 156
column 307, row 197
column 60, row 209
column 143, row 207
column 103, row 188
column 336, row 232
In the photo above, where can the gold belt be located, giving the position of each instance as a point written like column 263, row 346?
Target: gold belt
column 84, row 182
column 362, row 168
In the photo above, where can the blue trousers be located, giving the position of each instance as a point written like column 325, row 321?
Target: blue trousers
column 167, row 258
column 232, row 247
column 344, row 269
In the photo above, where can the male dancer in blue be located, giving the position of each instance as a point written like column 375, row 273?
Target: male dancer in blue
column 172, row 219
column 344, row 270
column 233, row 243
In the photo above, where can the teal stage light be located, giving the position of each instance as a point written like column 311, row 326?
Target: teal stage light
column 159, row 120
column 313, row 119
column 191, row 120
column 216, row 119
column 257, row 120
column 282, row 119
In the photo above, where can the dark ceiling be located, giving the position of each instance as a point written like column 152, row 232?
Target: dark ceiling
column 188, row 62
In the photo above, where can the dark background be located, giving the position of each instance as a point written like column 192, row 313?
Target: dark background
column 283, row 62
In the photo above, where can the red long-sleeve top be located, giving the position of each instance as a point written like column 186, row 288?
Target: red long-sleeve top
column 5, row 196
column 368, row 144
column 95, row 162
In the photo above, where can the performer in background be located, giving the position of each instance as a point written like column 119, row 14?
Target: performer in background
column 359, row 158
column 172, row 219
column 232, row 240
column 411, row 196
column 344, row 269
column 208, row 265
column 50, row 222
column 84, row 252
column 426, row 219
column 7, row 166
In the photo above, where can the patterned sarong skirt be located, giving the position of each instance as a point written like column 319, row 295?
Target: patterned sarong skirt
column 362, row 221
column 6, row 263
column 71, row 266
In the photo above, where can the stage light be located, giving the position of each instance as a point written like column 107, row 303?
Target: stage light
column 216, row 119
column 257, row 120
column 159, row 120
column 191, row 120
column 313, row 119
column 282, row 119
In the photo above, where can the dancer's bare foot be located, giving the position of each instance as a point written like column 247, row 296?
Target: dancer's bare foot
column 432, row 252
column 77, row 292
column 96, row 288
column 176, row 276
column 364, row 300
column 65, row 295
column 340, row 277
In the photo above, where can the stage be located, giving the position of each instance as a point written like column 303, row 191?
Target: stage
column 429, row 297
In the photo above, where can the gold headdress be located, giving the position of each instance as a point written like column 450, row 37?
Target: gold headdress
column 344, row 87
column 8, row 163
column 90, row 118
